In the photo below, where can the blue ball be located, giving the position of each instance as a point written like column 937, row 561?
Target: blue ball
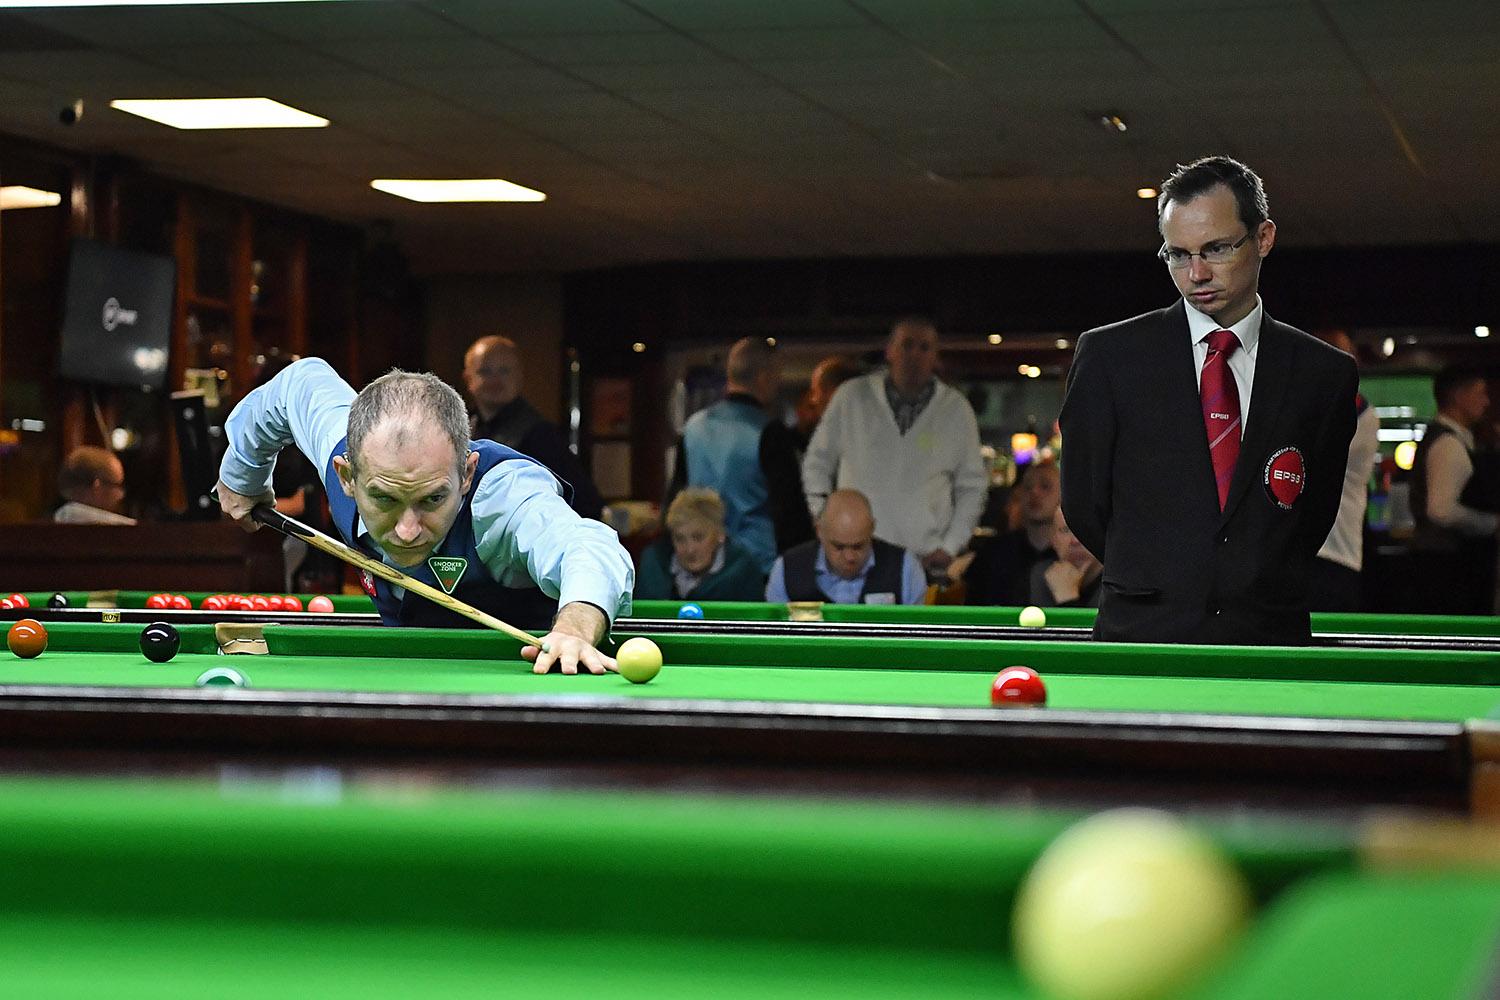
column 690, row 611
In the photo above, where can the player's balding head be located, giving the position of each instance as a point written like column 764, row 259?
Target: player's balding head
column 401, row 406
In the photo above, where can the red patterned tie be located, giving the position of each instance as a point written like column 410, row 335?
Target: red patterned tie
column 1221, row 408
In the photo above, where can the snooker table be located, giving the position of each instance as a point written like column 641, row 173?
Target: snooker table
column 751, row 618
column 1268, row 725
column 305, row 886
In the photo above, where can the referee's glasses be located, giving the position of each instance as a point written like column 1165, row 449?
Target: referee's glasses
column 1218, row 252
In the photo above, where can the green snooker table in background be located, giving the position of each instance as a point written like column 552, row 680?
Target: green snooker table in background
column 953, row 614
column 1123, row 722
column 348, row 608
column 308, row 887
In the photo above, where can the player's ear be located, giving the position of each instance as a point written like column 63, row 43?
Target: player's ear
column 346, row 474
column 470, row 465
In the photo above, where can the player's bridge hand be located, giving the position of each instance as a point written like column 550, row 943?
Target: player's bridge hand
column 568, row 653
column 237, row 506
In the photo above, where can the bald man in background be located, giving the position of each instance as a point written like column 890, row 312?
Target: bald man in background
column 846, row 563
column 492, row 375
column 910, row 443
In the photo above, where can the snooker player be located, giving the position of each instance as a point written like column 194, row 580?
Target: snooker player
column 1204, row 444
column 406, row 485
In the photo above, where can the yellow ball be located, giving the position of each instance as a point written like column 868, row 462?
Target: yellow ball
column 1033, row 617
column 639, row 659
column 1129, row 904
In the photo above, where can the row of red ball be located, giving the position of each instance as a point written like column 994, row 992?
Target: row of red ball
column 239, row 602
column 14, row 601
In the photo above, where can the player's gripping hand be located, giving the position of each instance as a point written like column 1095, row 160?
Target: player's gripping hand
column 238, row 506
column 572, row 642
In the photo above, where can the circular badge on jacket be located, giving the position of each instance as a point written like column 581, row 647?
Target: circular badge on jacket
column 1284, row 477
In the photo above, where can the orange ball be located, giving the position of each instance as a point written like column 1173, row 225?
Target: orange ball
column 27, row 638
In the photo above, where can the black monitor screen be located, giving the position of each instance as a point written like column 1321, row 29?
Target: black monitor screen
column 117, row 320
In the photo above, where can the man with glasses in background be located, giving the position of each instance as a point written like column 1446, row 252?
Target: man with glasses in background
column 92, row 485
column 1204, row 445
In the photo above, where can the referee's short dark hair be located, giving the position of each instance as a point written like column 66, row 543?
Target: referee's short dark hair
column 1195, row 179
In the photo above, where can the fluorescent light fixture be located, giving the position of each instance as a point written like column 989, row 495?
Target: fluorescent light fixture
column 222, row 112
column 492, row 189
column 1144, row 193
column 17, row 196
column 132, row 3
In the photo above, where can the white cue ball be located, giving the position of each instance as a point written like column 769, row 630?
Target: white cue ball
column 639, row 659
column 1129, row 904
column 1033, row 617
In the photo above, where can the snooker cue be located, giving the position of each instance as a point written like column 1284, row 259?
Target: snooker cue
column 271, row 517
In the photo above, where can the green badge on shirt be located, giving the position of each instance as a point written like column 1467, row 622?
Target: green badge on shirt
column 448, row 570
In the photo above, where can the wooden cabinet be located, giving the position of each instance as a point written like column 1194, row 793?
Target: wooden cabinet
column 241, row 293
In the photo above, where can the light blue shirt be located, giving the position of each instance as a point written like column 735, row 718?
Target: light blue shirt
column 913, row 581
column 522, row 525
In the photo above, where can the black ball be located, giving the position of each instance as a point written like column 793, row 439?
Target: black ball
column 57, row 601
column 160, row 642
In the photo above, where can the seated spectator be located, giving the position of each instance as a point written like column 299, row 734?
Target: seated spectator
column 696, row 559
column 1001, row 570
column 1072, row 581
column 92, row 484
column 847, row 564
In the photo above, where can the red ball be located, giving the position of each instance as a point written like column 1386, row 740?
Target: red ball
column 27, row 638
column 320, row 604
column 1018, row 686
column 20, row 601
column 258, row 602
column 275, row 602
column 180, row 602
column 6, row 604
column 291, row 602
column 159, row 602
column 239, row 602
column 213, row 602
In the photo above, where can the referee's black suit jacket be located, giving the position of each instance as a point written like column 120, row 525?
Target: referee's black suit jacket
column 1138, row 484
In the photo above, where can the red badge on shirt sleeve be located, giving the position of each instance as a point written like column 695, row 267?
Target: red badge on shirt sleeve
column 1284, row 477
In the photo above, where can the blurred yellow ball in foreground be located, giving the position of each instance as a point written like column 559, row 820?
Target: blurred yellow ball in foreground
column 1129, row 904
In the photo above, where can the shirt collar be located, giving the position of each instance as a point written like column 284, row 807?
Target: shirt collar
column 1247, row 330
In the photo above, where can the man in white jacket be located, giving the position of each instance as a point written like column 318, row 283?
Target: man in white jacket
column 910, row 444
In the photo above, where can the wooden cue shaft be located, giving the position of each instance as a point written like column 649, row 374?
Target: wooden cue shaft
column 271, row 517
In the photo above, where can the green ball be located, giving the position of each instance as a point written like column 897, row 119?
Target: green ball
column 1033, row 617
column 639, row 659
column 222, row 677
column 1129, row 904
